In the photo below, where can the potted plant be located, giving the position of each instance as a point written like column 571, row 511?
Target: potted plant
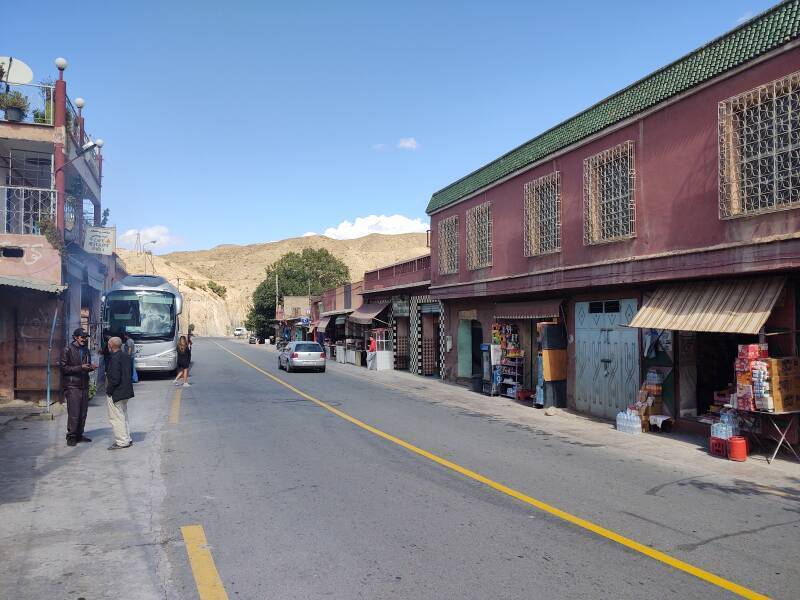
column 15, row 104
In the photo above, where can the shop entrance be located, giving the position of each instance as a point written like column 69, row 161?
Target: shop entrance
column 607, row 356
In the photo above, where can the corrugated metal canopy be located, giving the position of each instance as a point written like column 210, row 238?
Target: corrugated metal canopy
column 322, row 324
column 729, row 306
column 31, row 284
column 535, row 309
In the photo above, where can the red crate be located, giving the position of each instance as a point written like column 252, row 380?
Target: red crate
column 718, row 447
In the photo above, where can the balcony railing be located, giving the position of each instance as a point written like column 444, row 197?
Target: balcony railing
column 36, row 103
column 23, row 209
column 73, row 125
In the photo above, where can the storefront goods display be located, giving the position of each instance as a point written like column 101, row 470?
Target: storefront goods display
column 753, row 351
column 512, row 360
column 718, row 447
column 629, row 421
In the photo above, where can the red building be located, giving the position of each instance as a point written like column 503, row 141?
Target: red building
column 671, row 206
column 50, row 183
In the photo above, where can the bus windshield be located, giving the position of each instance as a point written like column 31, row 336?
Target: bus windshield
column 143, row 315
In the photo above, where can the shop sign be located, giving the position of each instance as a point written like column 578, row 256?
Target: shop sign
column 100, row 240
column 468, row 315
column 400, row 306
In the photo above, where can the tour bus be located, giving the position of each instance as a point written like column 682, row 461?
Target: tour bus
column 147, row 308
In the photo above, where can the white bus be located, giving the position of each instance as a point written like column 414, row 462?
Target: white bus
column 147, row 308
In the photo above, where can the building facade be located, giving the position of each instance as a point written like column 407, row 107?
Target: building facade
column 50, row 192
column 655, row 204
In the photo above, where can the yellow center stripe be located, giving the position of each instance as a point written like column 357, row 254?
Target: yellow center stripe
column 206, row 577
column 543, row 506
column 175, row 411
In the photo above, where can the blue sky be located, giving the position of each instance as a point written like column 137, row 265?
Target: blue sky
column 272, row 119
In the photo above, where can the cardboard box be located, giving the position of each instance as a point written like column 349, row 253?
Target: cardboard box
column 785, row 384
column 554, row 365
column 784, row 367
column 785, row 401
column 753, row 351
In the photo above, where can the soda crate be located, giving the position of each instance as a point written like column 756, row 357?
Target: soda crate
column 718, row 447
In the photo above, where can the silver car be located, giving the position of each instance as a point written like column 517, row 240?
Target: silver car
column 302, row 355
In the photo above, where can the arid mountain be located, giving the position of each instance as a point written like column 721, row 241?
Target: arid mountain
column 241, row 268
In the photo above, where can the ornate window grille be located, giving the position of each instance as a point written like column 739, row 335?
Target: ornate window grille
column 609, row 207
column 759, row 149
column 479, row 236
column 23, row 209
column 543, row 215
column 448, row 245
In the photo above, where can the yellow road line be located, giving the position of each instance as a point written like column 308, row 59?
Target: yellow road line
column 543, row 506
column 206, row 577
column 175, row 411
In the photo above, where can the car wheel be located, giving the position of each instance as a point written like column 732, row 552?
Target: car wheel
column 280, row 366
column 322, row 370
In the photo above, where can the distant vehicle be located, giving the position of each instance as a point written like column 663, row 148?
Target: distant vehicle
column 239, row 331
column 252, row 340
column 147, row 308
column 302, row 355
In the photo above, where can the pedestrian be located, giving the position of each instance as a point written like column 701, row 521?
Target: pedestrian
column 373, row 345
column 130, row 351
column 119, row 389
column 184, row 360
column 76, row 364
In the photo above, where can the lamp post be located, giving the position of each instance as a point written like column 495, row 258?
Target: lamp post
column 144, row 254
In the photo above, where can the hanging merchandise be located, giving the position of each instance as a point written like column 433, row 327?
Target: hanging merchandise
column 512, row 362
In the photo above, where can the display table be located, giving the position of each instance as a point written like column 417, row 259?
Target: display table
column 382, row 360
column 341, row 354
column 768, row 424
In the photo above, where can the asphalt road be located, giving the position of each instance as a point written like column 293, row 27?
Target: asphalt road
column 297, row 502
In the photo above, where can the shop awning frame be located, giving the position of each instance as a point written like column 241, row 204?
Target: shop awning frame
column 322, row 324
column 366, row 313
column 532, row 309
column 717, row 306
column 32, row 284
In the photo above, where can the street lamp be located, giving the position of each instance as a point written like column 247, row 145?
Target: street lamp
column 90, row 145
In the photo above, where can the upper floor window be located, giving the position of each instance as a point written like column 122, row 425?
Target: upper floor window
column 543, row 215
column 479, row 236
column 609, row 207
column 759, row 149
column 448, row 245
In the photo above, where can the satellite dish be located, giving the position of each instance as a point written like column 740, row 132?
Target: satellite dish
column 15, row 71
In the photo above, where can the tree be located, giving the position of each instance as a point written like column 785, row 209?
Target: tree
column 105, row 216
column 309, row 272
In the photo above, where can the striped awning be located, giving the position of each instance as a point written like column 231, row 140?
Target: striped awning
column 366, row 313
column 322, row 324
column 535, row 309
column 725, row 306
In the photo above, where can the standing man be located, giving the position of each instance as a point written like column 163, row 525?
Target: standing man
column 119, row 389
column 76, row 364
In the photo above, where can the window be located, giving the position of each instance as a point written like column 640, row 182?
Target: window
column 759, row 149
column 609, row 209
column 448, row 245
column 543, row 215
column 479, row 236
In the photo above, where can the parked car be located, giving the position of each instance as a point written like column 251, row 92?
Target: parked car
column 239, row 331
column 252, row 340
column 302, row 355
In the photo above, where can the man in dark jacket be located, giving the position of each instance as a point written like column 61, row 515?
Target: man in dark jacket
column 119, row 389
column 76, row 364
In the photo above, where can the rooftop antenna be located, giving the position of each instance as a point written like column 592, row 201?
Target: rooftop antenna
column 14, row 72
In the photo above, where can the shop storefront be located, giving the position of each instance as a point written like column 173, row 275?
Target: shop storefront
column 371, row 322
column 724, row 351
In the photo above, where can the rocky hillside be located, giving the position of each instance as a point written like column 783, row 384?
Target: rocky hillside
column 241, row 268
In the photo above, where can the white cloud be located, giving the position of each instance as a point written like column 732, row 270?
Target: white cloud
column 309, row 233
column 408, row 143
column 379, row 147
column 745, row 17
column 158, row 233
column 392, row 224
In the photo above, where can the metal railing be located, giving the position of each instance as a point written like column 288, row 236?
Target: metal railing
column 73, row 125
column 22, row 209
column 92, row 157
column 34, row 103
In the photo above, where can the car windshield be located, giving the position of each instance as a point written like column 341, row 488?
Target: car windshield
column 308, row 348
column 143, row 315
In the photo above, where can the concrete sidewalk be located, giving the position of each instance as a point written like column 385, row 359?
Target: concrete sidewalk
column 84, row 521
column 672, row 448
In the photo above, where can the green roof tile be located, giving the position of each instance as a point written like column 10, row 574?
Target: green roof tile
column 765, row 32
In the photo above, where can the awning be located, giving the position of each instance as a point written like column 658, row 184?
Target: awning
column 535, row 309
column 340, row 320
column 730, row 306
column 365, row 313
column 333, row 313
column 32, row 284
column 322, row 324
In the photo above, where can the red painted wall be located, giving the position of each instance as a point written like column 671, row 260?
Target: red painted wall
column 676, row 159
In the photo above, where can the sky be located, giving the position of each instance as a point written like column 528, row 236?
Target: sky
column 244, row 122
